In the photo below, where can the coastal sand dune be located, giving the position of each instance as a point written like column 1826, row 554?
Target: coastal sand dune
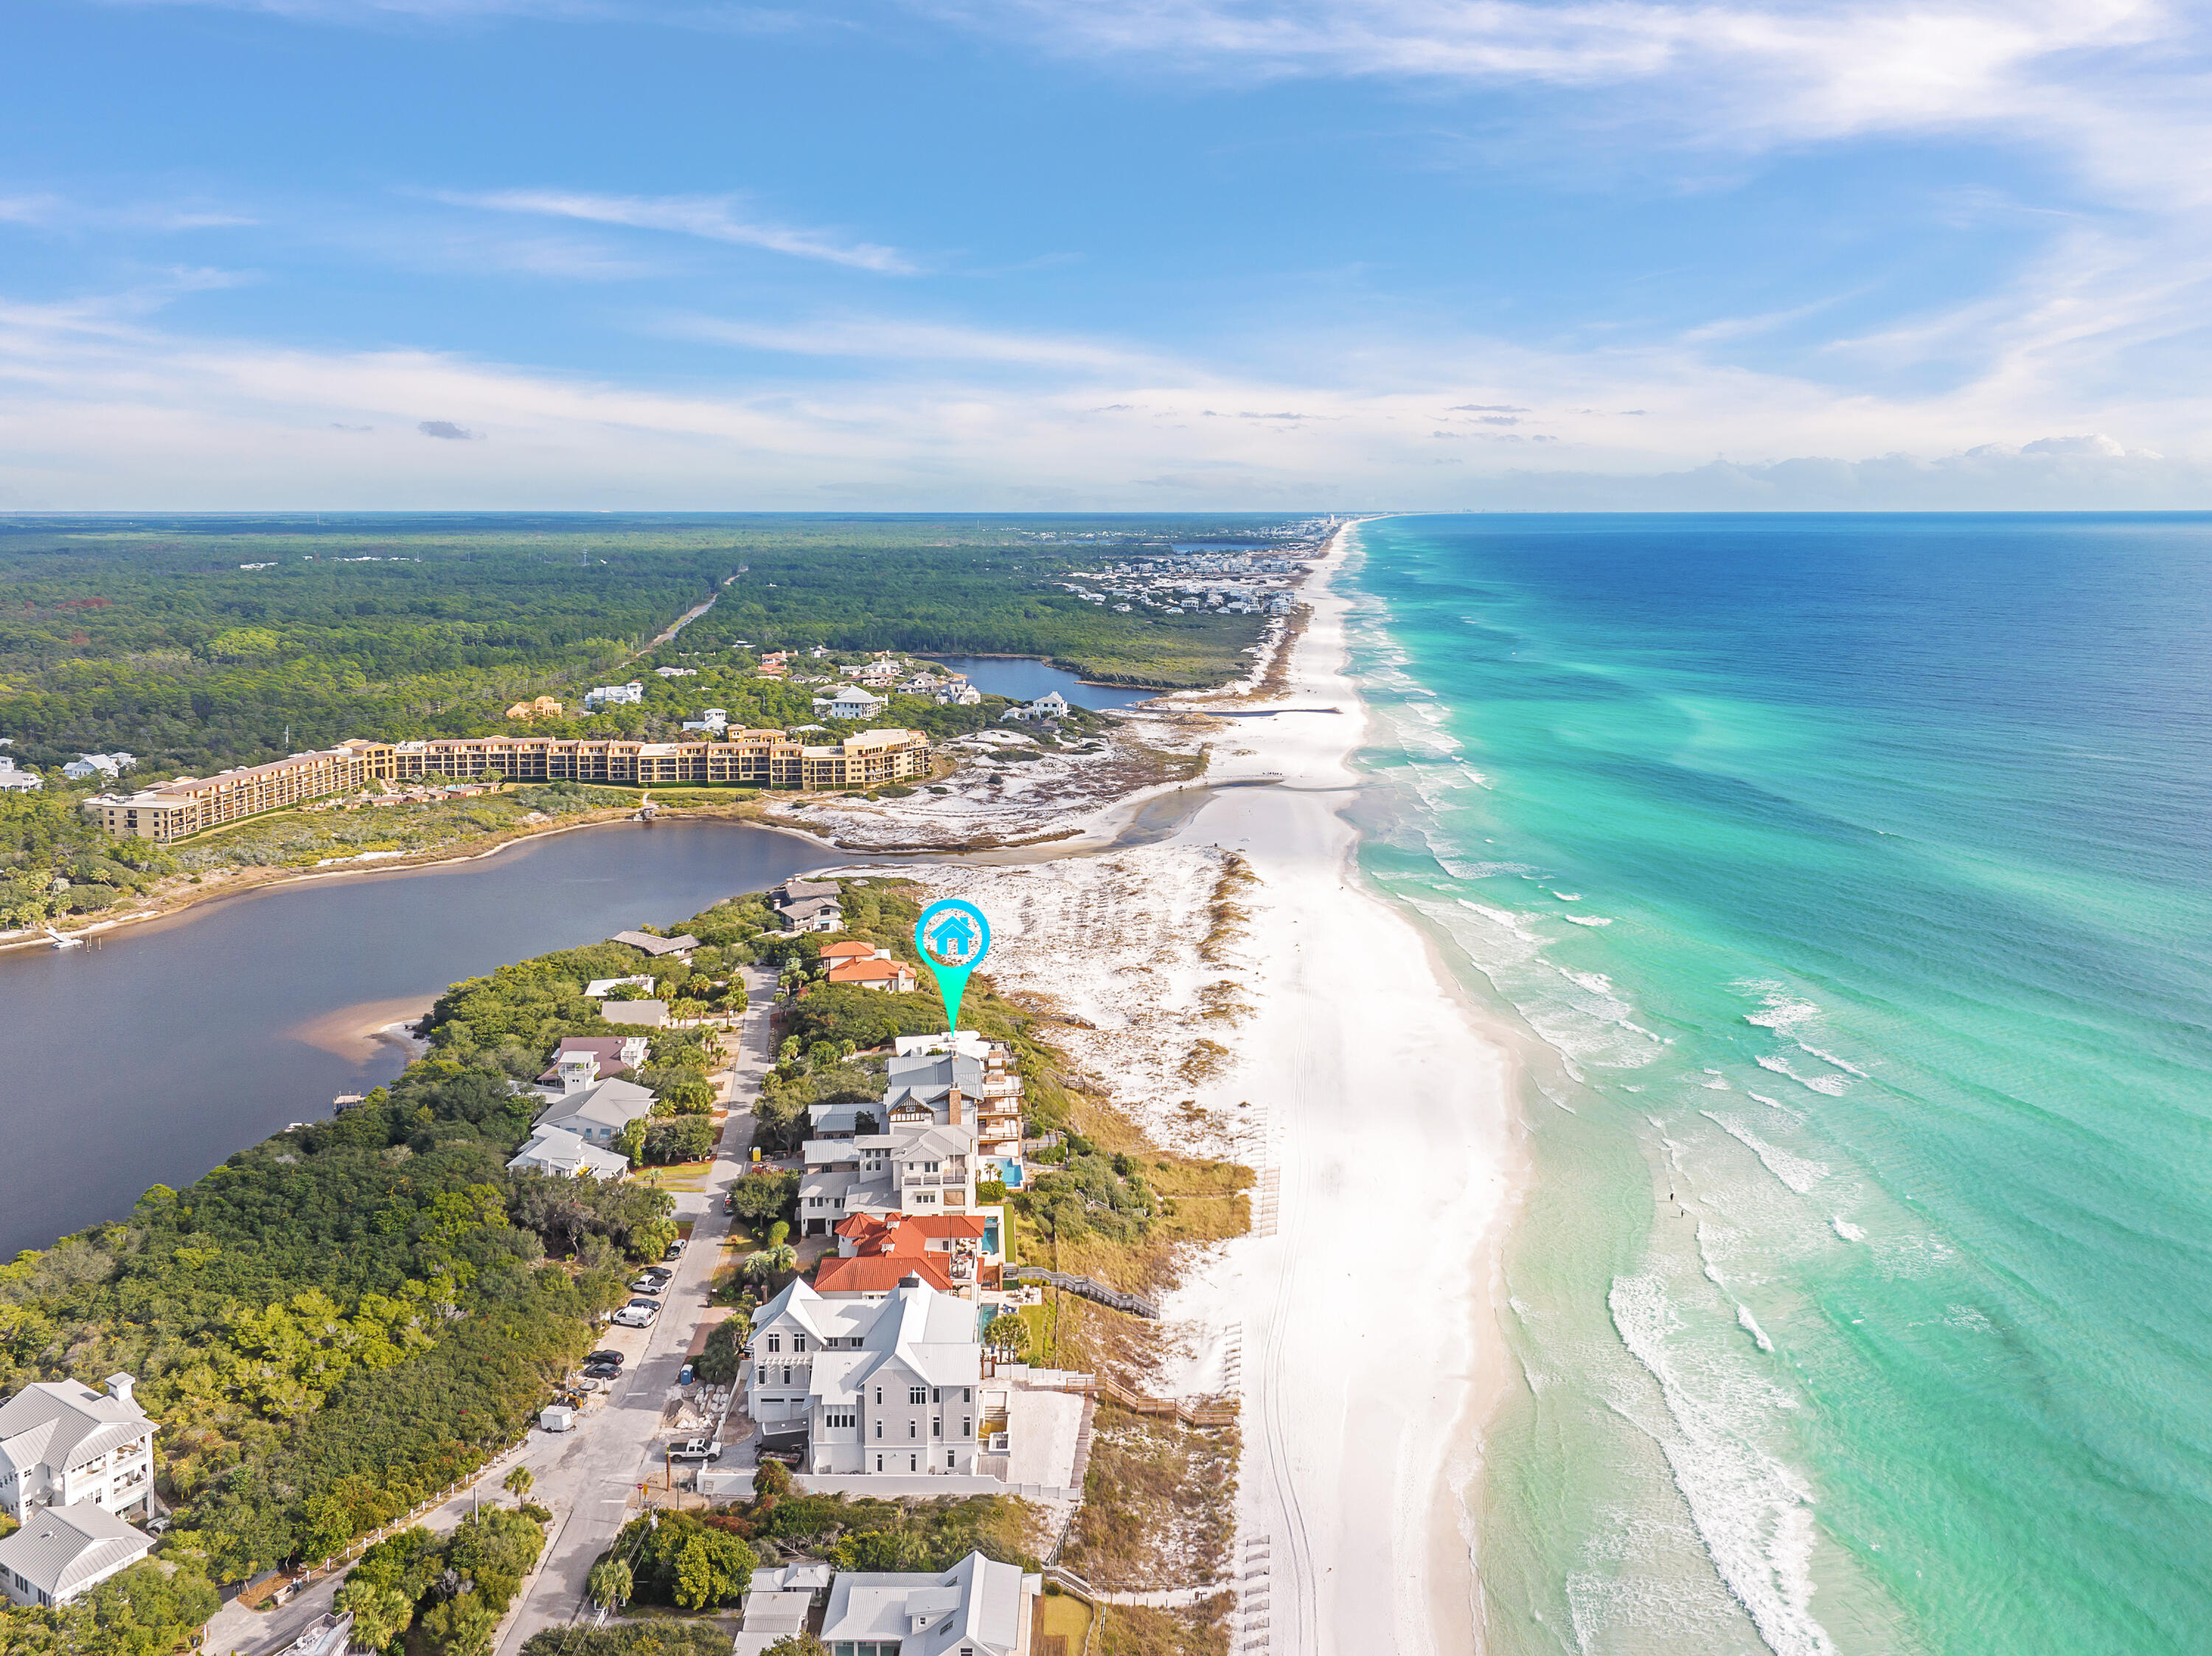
column 1357, row 1318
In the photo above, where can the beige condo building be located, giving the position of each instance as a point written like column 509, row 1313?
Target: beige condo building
column 762, row 759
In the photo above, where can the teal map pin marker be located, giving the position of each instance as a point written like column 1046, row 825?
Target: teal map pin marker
column 952, row 935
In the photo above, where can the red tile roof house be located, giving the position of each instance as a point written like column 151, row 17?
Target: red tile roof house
column 896, row 976
column 839, row 954
column 876, row 1250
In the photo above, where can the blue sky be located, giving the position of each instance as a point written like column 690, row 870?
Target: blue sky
column 1144, row 254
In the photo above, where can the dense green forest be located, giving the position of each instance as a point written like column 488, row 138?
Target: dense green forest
column 349, row 1316
column 200, row 642
column 156, row 640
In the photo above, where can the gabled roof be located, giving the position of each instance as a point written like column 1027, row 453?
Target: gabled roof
column 60, row 1550
column 930, row 1333
column 977, row 1602
column 64, row 1424
column 613, row 1103
column 849, row 949
column 564, row 1152
column 646, row 943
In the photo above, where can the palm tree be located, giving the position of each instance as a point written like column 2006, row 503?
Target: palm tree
column 609, row 1583
column 517, row 1484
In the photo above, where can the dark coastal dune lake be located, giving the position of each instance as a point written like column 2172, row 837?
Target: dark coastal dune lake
column 151, row 1058
column 1026, row 678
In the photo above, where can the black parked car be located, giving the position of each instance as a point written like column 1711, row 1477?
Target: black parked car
column 614, row 1357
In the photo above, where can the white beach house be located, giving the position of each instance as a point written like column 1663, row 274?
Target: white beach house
column 888, row 1387
column 62, row 1443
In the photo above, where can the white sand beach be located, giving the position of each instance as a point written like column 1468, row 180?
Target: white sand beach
column 1357, row 1320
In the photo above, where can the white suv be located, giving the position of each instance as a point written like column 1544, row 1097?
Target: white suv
column 638, row 1314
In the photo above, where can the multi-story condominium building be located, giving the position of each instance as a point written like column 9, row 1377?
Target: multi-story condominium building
column 62, row 1443
column 766, row 759
column 890, row 1386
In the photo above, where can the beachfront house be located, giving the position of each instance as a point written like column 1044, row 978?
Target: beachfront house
column 951, row 1252
column 931, row 1080
column 556, row 1151
column 1049, row 706
column 910, row 1169
column 61, row 1553
column 887, row 1387
column 63, row 1444
column 714, row 721
column 15, row 779
column 598, row 1114
column 977, row 1608
column 613, row 695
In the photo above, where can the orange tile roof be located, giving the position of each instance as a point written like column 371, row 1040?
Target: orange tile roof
column 871, row 972
column 878, row 1273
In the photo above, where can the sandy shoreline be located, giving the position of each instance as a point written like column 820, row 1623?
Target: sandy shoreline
column 1359, row 1319
column 1394, row 1132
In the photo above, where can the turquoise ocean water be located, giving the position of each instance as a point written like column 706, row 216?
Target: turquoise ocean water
column 1849, row 882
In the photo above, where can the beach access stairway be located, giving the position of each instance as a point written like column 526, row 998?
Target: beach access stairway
column 1089, row 1286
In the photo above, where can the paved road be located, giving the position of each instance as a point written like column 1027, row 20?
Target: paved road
column 590, row 1477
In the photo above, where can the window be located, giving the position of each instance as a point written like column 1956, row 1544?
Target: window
column 934, row 1396
column 936, row 1428
column 775, row 1342
column 948, row 1461
column 798, row 1342
column 786, row 1374
column 879, row 1460
column 879, row 1432
column 913, row 1463
column 917, row 1394
column 965, row 1398
column 912, row 1429
column 879, row 1397
column 967, row 1426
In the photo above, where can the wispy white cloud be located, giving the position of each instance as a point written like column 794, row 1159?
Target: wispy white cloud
column 888, row 339
column 100, row 407
column 711, row 218
column 2112, row 83
column 48, row 211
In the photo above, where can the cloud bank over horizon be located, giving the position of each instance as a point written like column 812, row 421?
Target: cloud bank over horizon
column 1109, row 254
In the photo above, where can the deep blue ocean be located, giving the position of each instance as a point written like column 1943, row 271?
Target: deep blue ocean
column 1848, row 883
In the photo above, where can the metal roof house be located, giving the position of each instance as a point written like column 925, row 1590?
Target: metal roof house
column 63, row 1552
column 61, row 1442
column 977, row 1608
